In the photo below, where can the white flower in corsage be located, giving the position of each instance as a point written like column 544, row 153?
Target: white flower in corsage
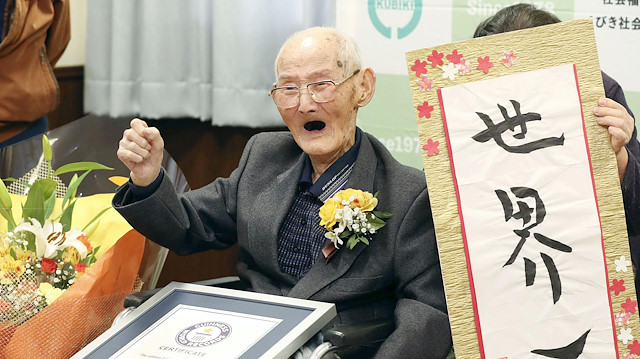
column 349, row 215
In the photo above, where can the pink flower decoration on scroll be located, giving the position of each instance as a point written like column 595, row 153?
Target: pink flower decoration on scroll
column 425, row 83
column 634, row 347
column 617, row 286
column 629, row 305
column 425, row 110
column 420, row 67
column 431, row 147
column 455, row 57
column 622, row 318
column 436, row 58
column 484, row 64
column 509, row 57
column 464, row 67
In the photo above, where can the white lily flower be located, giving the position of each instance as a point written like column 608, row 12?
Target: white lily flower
column 334, row 238
column 50, row 238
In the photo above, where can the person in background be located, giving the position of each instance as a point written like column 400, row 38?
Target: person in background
column 612, row 112
column 270, row 205
column 33, row 36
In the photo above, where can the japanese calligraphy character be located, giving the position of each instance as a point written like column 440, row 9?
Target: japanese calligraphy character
column 612, row 22
column 620, row 2
column 633, row 2
column 571, row 351
column 636, row 24
column 495, row 131
column 529, row 221
column 601, row 21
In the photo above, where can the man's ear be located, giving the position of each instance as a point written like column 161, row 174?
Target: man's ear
column 367, row 86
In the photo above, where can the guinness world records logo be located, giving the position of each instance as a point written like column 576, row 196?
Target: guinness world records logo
column 203, row 334
column 415, row 6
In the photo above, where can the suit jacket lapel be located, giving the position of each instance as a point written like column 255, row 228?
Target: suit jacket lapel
column 271, row 208
column 321, row 274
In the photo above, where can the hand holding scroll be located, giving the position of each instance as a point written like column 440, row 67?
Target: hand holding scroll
column 620, row 124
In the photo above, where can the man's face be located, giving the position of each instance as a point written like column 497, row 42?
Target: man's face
column 324, row 131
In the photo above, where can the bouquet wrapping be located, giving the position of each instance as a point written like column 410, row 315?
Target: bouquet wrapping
column 66, row 263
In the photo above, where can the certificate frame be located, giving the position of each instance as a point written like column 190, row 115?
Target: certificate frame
column 300, row 319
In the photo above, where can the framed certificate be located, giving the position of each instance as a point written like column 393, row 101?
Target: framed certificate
column 193, row 321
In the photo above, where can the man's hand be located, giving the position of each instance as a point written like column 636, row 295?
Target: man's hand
column 620, row 125
column 140, row 149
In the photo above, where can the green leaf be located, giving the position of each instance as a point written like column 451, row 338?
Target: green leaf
column 345, row 234
column 94, row 219
column 92, row 256
column 13, row 253
column 80, row 166
column 90, row 228
column 49, row 204
column 46, row 149
column 5, row 206
column 34, row 206
column 352, row 241
column 73, row 188
column 65, row 218
column 364, row 240
column 31, row 241
column 382, row 215
column 5, row 199
column 377, row 223
column 8, row 215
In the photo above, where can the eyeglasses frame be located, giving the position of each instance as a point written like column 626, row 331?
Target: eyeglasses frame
column 306, row 87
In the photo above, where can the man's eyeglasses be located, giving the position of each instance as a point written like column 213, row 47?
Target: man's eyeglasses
column 320, row 91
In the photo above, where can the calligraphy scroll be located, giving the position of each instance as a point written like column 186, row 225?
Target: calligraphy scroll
column 525, row 196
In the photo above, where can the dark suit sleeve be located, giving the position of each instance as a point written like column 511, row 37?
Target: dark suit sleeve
column 193, row 222
column 422, row 325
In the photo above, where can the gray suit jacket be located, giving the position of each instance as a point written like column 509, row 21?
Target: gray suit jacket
column 397, row 275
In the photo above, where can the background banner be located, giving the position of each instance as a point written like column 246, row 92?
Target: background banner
column 386, row 29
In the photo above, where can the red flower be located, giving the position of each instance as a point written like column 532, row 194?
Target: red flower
column 634, row 347
column 425, row 110
column 629, row 306
column 48, row 265
column 435, row 58
column 420, row 67
column 484, row 64
column 454, row 57
column 431, row 147
column 80, row 267
column 617, row 286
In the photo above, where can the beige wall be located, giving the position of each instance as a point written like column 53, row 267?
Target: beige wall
column 74, row 55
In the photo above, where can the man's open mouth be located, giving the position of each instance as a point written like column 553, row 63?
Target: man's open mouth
column 314, row 126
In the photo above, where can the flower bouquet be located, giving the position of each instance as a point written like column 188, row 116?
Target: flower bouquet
column 52, row 273
column 353, row 212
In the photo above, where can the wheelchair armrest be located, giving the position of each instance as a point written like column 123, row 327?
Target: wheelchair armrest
column 364, row 333
column 232, row 282
column 134, row 300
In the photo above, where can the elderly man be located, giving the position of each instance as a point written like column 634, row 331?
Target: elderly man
column 270, row 204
